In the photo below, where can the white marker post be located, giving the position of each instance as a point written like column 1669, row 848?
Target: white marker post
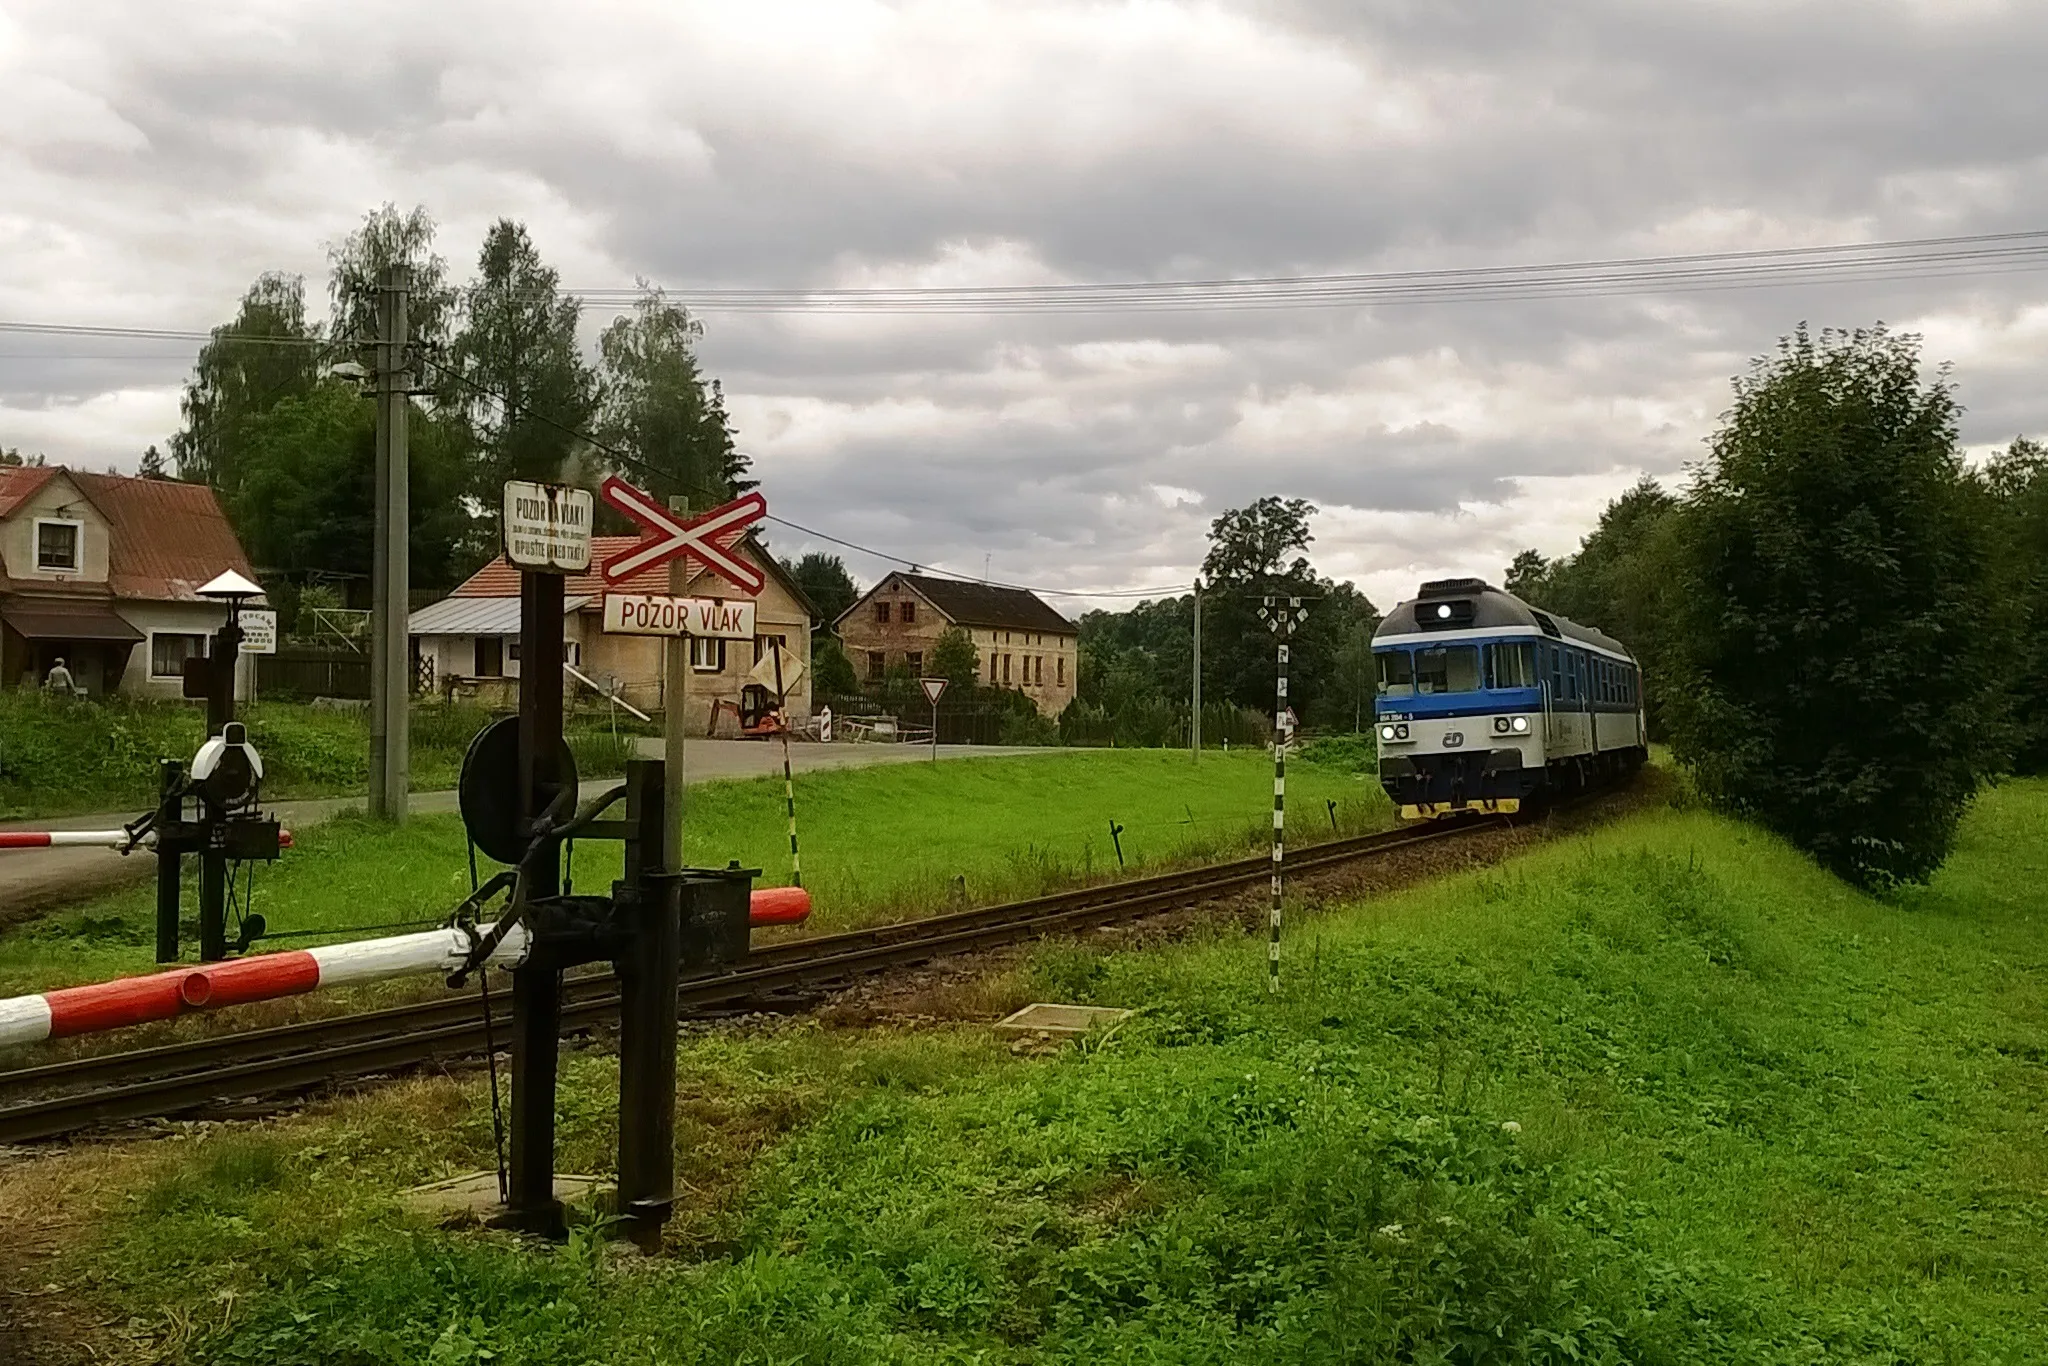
column 934, row 688
column 1281, row 617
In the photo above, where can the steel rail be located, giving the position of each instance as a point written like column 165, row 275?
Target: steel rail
column 170, row 1078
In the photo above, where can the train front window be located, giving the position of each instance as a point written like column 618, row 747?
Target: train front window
column 1397, row 673
column 1449, row 668
column 1511, row 666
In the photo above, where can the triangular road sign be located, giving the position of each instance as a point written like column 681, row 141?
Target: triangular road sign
column 932, row 688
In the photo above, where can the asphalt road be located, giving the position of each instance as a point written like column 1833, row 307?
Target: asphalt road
column 36, row 880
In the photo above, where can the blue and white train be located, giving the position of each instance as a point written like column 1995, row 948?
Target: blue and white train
column 1486, row 703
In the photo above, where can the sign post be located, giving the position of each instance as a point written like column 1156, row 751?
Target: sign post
column 1281, row 616
column 782, row 671
column 933, row 689
column 677, row 538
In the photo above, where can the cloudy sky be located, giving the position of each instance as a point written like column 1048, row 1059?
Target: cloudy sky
column 156, row 158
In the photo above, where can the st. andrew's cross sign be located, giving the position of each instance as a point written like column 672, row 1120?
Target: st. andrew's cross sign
column 708, row 538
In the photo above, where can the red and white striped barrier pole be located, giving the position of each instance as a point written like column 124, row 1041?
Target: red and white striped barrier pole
column 269, row 976
column 264, row 977
column 93, row 839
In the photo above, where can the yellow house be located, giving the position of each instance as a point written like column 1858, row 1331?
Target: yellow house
column 468, row 643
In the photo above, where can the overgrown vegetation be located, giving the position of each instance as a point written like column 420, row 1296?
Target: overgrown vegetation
column 1666, row 1094
column 1844, row 626
column 59, row 756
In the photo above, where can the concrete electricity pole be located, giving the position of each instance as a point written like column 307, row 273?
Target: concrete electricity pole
column 390, row 574
column 1195, row 725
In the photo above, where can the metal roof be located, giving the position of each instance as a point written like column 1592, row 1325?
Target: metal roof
column 474, row 617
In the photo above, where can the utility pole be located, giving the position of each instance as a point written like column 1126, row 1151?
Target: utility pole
column 1195, row 723
column 390, row 571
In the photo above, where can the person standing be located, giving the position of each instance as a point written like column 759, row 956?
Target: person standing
column 58, row 679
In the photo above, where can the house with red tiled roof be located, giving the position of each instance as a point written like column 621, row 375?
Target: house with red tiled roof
column 468, row 643
column 102, row 571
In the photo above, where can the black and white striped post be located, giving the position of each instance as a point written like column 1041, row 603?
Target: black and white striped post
column 796, row 872
column 1281, row 617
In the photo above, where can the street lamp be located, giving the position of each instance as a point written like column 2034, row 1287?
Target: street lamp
column 216, row 673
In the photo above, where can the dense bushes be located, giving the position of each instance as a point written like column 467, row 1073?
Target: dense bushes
column 1832, row 671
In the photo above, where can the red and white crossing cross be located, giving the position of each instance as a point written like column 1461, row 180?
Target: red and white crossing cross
column 708, row 538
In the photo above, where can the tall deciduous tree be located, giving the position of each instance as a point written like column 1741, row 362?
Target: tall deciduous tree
column 523, row 387
column 955, row 659
column 1833, row 668
column 2017, row 484
column 826, row 583
column 266, row 354
column 658, row 409
column 357, row 263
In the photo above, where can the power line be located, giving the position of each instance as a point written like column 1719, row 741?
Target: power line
column 1874, row 262
column 633, row 462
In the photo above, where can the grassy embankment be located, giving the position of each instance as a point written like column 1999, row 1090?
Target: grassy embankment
column 894, row 839
column 58, row 758
column 1664, row 1093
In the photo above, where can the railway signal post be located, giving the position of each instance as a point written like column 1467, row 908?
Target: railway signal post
column 1281, row 616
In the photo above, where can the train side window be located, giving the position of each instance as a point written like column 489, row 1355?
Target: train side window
column 1510, row 666
column 1397, row 673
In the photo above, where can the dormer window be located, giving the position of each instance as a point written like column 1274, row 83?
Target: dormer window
column 59, row 545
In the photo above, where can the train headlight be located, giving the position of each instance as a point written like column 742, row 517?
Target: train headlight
column 1521, row 725
column 1386, row 732
column 1500, row 725
column 1401, row 731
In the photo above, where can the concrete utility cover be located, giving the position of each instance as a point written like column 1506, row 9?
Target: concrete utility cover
column 474, row 1198
column 1061, row 1021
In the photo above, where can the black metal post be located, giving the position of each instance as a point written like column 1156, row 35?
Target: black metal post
column 537, row 987
column 647, row 1014
column 223, row 654
column 169, row 861
column 213, row 890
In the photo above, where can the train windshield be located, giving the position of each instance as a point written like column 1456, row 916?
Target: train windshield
column 1448, row 668
column 1397, row 673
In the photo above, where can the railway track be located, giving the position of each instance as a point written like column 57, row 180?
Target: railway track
column 83, row 1093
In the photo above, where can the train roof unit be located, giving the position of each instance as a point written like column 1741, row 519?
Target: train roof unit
column 1474, row 605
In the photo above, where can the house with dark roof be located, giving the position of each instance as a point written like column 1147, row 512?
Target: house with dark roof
column 102, row 571
column 1022, row 642
column 467, row 644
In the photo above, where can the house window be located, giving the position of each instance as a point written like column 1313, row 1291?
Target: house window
column 914, row 661
column 168, row 651
column 1006, row 668
column 762, row 644
column 572, row 652
column 907, row 612
column 882, row 613
column 707, row 654
column 878, row 665
column 1038, row 668
column 490, row 656
column 1059, row 672
column 512, row 650
column 57, row 545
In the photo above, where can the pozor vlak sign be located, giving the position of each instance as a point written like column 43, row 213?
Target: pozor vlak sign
column 657, row 614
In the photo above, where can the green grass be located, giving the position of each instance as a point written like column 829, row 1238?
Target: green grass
column 63, row 757
column 1660, row 1094
column 884, row 841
